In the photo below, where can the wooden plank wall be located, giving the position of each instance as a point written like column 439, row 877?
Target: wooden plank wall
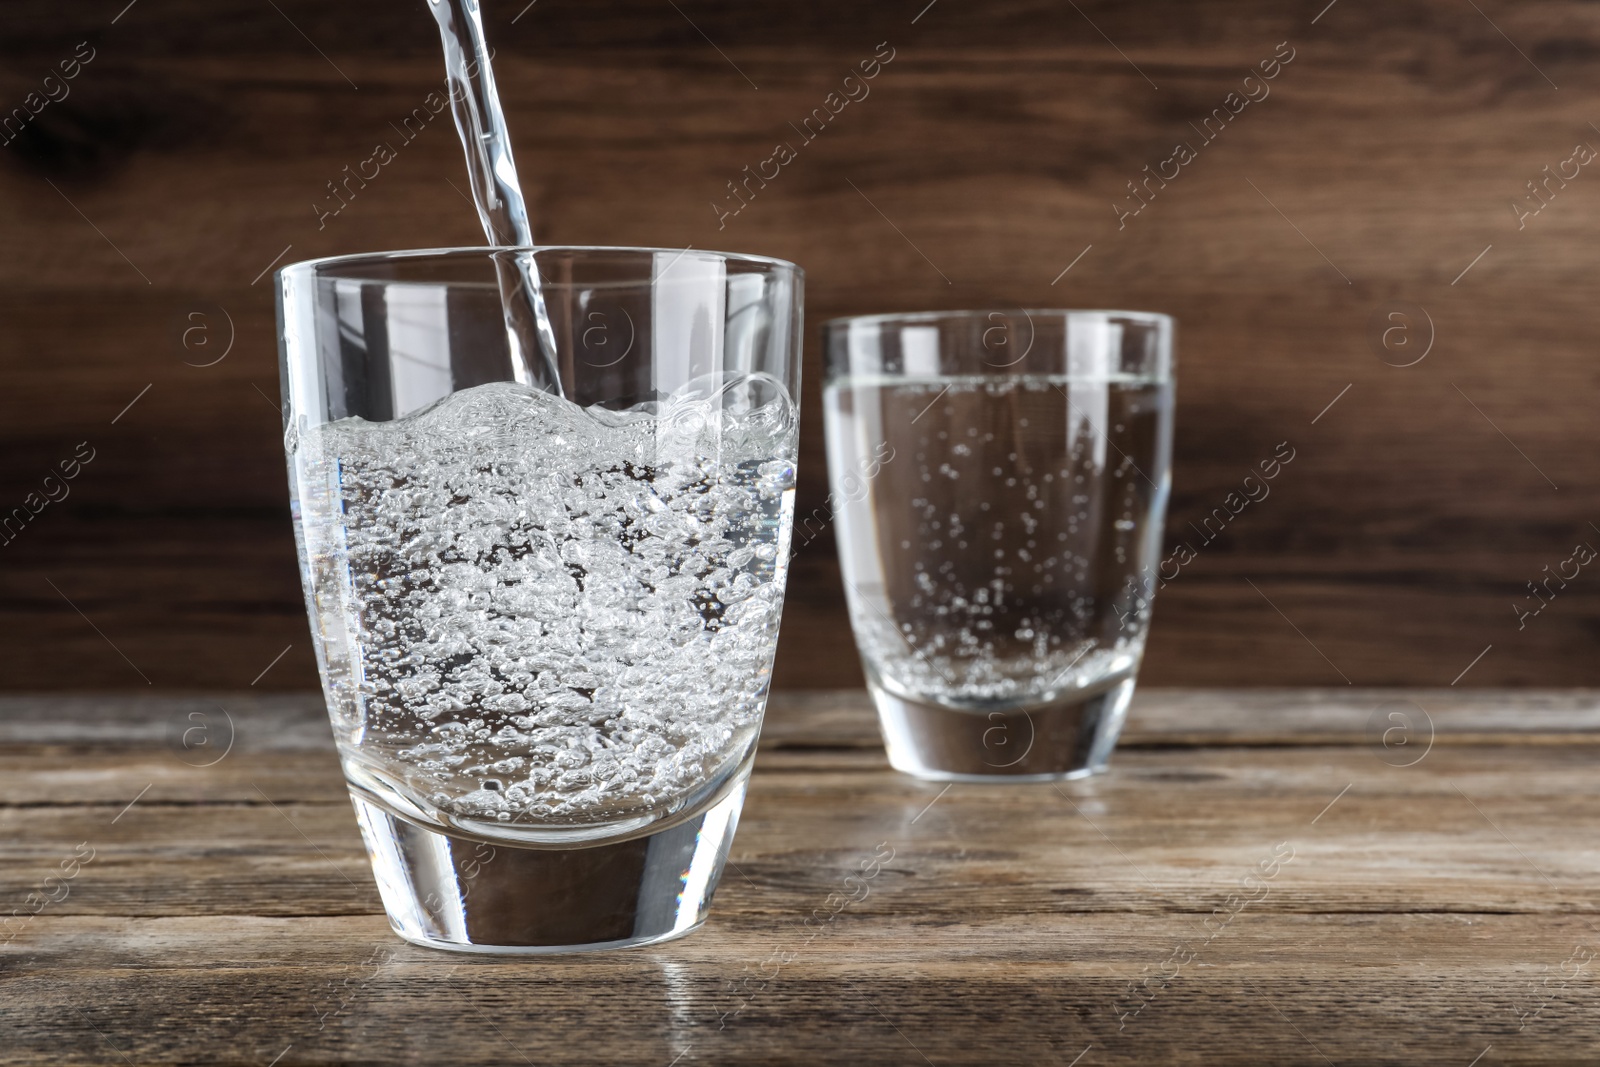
column 189, row 151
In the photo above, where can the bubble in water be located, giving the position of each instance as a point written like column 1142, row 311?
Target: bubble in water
column 540, row 611
column 1038, row 586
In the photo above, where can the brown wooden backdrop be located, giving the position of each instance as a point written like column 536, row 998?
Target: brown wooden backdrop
column 192, row 147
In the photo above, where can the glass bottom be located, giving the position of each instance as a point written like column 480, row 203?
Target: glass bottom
column 1036, row 743
column 447, row 889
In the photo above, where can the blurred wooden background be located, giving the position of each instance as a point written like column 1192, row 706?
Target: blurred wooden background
column 190, row 150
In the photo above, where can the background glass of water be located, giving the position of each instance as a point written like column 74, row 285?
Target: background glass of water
column 544, row 570
column 999, row 482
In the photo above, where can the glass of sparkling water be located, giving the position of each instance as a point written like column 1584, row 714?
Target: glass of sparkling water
column 544, row 571
column 999, row 481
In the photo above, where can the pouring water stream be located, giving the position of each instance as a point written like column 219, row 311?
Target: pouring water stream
column 496, row 192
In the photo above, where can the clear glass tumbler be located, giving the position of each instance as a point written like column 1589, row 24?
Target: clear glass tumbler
column 544, row 591
column 999, row 482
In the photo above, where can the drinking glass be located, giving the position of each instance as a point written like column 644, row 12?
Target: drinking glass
column 999, row 481
column 544, row 590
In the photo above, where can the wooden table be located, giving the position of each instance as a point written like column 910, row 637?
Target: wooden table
column 1313, row 877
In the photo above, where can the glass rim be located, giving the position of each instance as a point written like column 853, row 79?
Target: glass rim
column 313, row 267
column 1153, row 318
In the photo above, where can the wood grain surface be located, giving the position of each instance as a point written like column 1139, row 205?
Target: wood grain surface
column 139, row 212
column 1433, row 898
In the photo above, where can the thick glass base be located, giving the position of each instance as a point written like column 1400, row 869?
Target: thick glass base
column 1043, row 742
column 447, row 889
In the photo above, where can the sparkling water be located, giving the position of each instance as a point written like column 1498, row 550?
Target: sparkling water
column 540, row 615
column 1001, row 545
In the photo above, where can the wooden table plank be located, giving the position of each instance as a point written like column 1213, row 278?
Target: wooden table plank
column 1417, row 913
column 294, row 721
column 250, row 854
column 226, row 990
